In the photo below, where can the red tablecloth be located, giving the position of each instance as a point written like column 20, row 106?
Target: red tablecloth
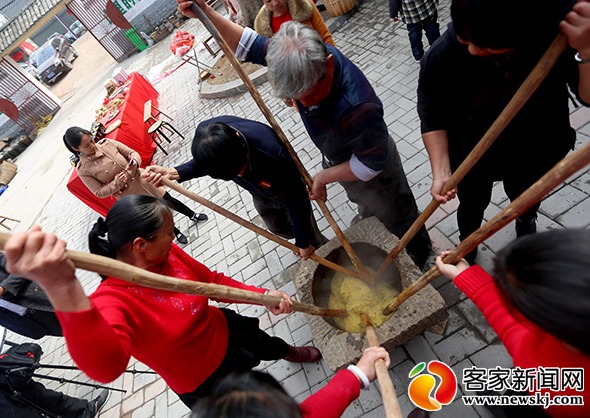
column 132, row 132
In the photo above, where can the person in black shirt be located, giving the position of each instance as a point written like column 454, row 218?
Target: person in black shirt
column 471, row 73
column 251, row 154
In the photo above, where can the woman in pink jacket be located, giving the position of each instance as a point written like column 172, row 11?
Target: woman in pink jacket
column 111, row 168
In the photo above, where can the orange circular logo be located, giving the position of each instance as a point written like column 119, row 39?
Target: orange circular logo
column 422, row 386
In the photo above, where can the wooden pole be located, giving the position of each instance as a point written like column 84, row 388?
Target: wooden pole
column 365, row 275
column 526, row 90
column 255, row 228
column 554, row 177
column 115, row 268
column 390, row 402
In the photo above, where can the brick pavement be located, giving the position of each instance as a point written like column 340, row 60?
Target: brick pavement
column 382, row 51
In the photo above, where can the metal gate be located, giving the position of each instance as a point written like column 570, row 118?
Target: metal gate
column 92, row 14
column 32, row 103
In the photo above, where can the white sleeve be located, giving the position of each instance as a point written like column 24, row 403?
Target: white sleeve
column 360, row 170
column 246, row 41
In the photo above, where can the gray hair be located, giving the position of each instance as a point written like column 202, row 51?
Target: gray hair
column 296, row 59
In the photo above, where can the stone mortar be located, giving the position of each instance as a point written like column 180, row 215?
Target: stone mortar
column 417, row 314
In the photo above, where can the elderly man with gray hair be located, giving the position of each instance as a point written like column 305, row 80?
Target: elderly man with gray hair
column 342, row 115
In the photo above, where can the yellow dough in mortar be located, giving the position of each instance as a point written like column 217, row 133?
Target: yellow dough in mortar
column 356, row 296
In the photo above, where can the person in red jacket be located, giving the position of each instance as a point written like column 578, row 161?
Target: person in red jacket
column 257, row 394
column 181, row 337
column 539, row 305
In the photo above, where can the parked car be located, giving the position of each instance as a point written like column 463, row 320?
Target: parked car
column 53, row 58
column 67, row 36
column 77, row 28
column 54, row 35
column 70, row 38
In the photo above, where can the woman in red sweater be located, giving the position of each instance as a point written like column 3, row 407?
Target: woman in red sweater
column 539, row 305
column 185, row 340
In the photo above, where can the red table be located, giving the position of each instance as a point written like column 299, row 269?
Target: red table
column 132, row 132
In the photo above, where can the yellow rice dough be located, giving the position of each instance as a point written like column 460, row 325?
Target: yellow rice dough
column 356, row 296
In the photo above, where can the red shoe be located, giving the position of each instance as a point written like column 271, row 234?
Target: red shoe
column 303, row 354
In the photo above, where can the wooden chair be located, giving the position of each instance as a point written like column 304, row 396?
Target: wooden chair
column 157, row 126
column 4, row 219
column 208, row 47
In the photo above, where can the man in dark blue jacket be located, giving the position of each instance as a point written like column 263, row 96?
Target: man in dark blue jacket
column 251, row 155
column 342, row 115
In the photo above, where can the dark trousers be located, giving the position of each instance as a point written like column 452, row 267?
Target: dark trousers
column 247, row 346
column 389, row 197
column 177, row 205
column 276, row 217
column 430, row 27
column 34, row 324
column 475, row 195
column 475, row 190
column 51, row 401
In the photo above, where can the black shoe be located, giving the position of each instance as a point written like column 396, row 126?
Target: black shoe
column 303, row 354
column 323, row 240
column 525, row 227
column 100, row 401
column 181, row 238
column 418, row 54
column 199, row 217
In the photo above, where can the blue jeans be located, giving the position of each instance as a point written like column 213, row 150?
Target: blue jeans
column 430, row 27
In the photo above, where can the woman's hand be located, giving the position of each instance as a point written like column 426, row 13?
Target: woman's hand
column 122, row 178
column 42, row 258
column 153, row 178
column 39, row 257
column 132, row 165
column 285, row 306
column 367, row 361
column 449, row 270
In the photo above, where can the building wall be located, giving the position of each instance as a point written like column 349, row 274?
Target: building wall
column 155, row 11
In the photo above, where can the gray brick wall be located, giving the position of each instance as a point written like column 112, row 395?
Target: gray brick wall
column 157, row 13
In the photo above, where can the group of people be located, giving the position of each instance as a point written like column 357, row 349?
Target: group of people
column 537, row 301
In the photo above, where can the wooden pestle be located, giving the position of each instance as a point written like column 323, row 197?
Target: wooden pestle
column 364, row 273
column 390, row 402
column 554, row 177
column 110, row 267
column 525, row 91
column 255, row 228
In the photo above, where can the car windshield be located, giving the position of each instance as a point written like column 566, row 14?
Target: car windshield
column 44, row 54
